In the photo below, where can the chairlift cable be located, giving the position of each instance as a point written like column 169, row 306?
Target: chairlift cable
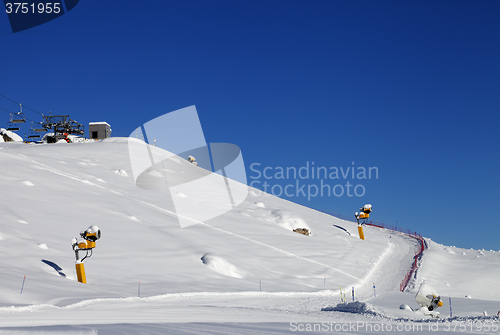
column 5, row 110
column 1, row 95
column 8, row 111
column 9, row 99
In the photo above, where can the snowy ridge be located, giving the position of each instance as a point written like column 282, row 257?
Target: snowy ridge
column 355, row 307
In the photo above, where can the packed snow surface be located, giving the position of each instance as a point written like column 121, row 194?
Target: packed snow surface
column 246, row 269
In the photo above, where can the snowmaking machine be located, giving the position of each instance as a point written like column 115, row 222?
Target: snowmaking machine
column 364, row 214
column 192, row 160
column 428, row 299
column 85, row 244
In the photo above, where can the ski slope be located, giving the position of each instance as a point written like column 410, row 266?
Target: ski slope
column 244, row 267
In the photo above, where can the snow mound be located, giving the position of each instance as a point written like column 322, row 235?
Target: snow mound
column 283, row 218
column 289, row 220
column 43, row 246
column 356, row 307
column 27, row 183
column 221, row 265
column 133, row 218
column 121, row 172
column 7, row 135
column 405, row 307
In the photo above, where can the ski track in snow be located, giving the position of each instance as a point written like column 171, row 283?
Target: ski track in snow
column 70, row 176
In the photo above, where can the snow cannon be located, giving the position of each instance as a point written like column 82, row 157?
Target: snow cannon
column 85, row 244
column 364, row 214
column 192, row 160
column 428, row 299
column 365, row 211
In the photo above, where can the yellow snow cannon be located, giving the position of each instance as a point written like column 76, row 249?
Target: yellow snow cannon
column 428, row 299
column 86, row 244
column 192, row 160
column 364, row 214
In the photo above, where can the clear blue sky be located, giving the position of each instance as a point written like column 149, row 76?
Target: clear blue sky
column 409, row 87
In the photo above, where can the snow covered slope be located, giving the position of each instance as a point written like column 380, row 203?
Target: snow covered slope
column 52, row 192
column 213, row 271
column 461, row 273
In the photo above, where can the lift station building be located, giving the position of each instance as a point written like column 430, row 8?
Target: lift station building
column 99, row 130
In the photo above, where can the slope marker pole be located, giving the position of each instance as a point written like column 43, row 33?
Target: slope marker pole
column 22, row 287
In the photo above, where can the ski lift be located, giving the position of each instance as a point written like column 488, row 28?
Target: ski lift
column 39, row 128
column 18, row 117
column 11, row 126
column 33, row 133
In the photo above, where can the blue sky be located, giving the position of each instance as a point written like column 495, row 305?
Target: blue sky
column 409, row 87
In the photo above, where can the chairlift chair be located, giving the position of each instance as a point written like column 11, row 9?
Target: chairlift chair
column 39, row 128
column 33, row 133
column 18, row 117
column 11, row 126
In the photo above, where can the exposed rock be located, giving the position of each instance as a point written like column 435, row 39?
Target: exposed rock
column 302, row 231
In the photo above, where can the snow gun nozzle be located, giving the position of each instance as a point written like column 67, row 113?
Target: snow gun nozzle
column 93, row 233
